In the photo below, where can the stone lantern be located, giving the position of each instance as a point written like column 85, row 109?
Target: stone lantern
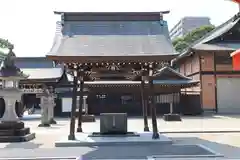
column 11, row 128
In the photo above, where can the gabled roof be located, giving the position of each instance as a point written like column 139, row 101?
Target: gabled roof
column 116, row 39
column 169, row 73
column 206, row 42
column 168, row 76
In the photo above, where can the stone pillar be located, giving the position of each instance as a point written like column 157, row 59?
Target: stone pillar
column 44, row 112
column 51, row 106
column 10, row 113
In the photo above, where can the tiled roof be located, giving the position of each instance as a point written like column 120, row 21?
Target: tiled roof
column 12, row 72
column 204, row 42
column 112, row 38
column 43, row 73
column 34, row 62
column 167, row 69
column 213, row 47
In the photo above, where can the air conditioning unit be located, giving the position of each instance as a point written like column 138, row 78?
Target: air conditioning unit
column 113, row 123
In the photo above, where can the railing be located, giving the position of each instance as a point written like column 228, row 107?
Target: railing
column 24, row 90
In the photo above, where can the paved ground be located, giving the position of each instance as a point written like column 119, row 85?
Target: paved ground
column 221, row 141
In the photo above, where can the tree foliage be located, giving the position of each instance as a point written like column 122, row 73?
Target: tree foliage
column 182, row 43
column 4, row 43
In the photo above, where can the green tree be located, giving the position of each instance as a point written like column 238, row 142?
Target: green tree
column 182, row 43
column 4, row 43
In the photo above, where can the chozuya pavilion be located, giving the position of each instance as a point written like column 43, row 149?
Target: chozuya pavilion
column 114, row 55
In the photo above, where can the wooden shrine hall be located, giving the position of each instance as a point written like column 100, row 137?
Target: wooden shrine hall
column 118, row 53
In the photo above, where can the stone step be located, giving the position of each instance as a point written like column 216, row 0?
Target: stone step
column 10, row 139
column 11, row 125
column 17, row 132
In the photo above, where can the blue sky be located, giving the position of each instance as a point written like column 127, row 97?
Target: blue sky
column 30, row 24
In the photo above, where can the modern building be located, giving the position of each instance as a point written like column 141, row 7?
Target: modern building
column 187, row 24
column 208, row 60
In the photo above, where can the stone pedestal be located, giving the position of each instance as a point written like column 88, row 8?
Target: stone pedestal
column 10, row 112
column 86, row 117
column 171, row 116
column 45, row 117
column 11, row 128
column 113, row 123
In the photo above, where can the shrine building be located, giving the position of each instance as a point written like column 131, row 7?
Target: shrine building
column 111, row 55
column 117, row 62
column 209, row 61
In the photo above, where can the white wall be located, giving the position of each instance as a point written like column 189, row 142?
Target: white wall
column 66, row 104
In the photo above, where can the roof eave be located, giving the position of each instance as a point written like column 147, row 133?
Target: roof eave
column 95, row 59
column 184, row 54
column 41, row 79
column 74, row 12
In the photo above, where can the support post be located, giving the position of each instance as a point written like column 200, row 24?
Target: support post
column 153, row 107
column 171, row 107
column 73, row 110
column 44, row 109
column 79, row 129
column 146, row 128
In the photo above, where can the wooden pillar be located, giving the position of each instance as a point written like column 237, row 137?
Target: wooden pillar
column 144, row 107
column 73, row 110
column 153, row 106
column 79, row 129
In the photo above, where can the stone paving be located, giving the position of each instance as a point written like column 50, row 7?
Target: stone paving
column 221, row 141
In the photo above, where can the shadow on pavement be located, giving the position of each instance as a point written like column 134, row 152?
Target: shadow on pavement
column 28, row 149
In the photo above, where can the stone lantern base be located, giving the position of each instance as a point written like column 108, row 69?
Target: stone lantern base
column 15, row 132
column 172, row 117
